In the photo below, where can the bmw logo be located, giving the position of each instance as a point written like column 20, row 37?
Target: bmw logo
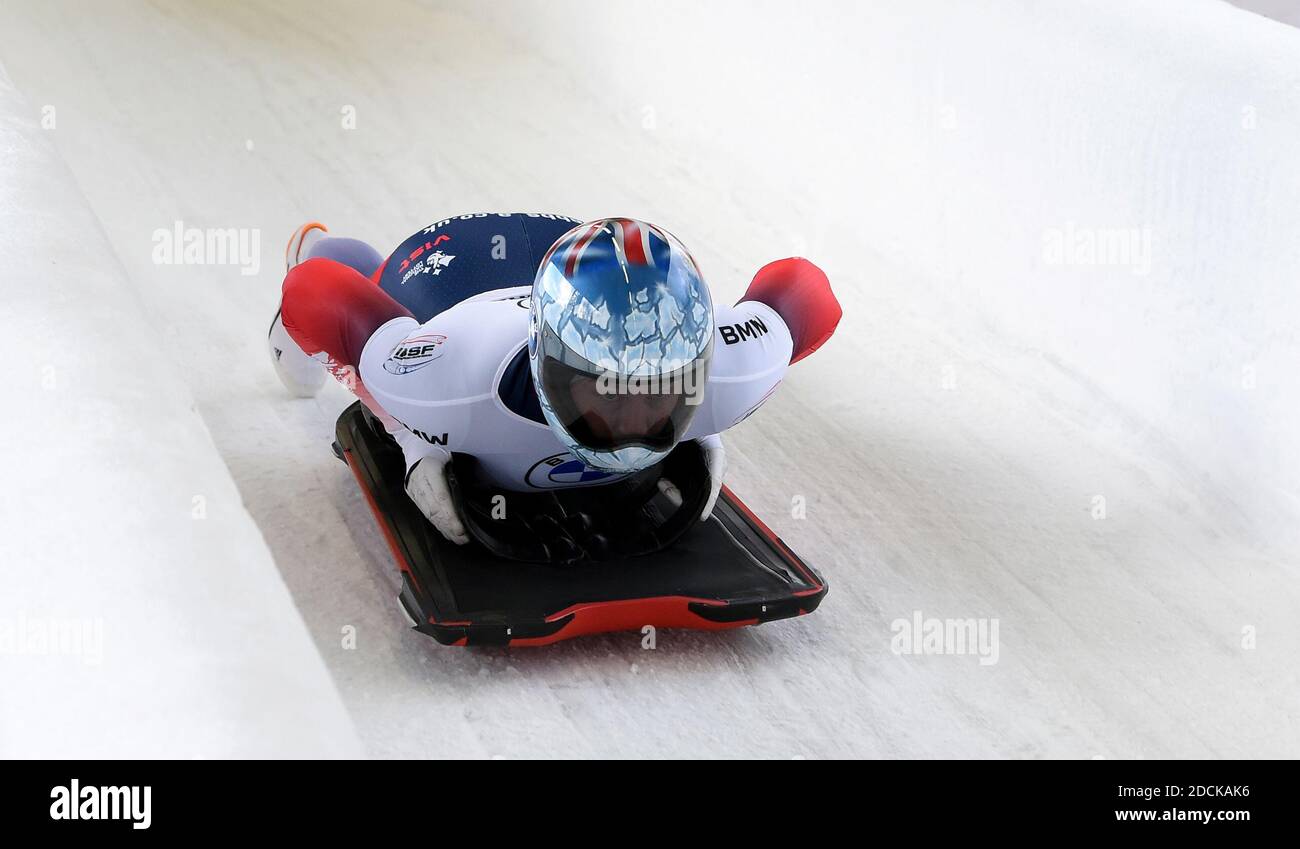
column 564, row 470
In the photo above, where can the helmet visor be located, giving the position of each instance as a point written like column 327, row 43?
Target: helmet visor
column 605, row 411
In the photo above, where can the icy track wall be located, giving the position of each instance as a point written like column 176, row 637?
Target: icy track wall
column 1110, row 187
column 141, row 614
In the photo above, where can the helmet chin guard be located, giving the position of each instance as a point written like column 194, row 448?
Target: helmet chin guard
column 620, row 342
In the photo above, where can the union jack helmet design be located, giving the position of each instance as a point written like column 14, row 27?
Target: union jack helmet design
column 620, row 342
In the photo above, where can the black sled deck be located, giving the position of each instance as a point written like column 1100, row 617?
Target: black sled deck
column 728, row 572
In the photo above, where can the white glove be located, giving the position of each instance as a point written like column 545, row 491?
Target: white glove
column 715, row 459
column 426, row 485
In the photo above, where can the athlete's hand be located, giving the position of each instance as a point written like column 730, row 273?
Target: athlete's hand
column 426, row 485
column 715, row 459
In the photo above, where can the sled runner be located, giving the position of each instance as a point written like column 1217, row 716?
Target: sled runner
column 563, row 563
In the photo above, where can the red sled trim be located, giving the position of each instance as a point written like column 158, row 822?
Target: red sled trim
column 381, row 521
column 631, row 615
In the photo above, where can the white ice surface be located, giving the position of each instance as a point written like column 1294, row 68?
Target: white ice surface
column 141, row 614
column 950, row 441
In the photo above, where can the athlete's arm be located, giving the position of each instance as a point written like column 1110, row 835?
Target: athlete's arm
column 332, row 309
column 431, row 377
column 787, row 313
column 329, row 307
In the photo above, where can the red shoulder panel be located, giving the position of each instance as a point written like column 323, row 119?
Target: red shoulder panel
column 330, row 307
column 801, row 294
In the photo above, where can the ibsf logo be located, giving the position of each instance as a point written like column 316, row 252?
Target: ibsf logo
column 414, row 353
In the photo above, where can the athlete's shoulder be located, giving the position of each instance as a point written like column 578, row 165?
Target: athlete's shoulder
column 750, row 338
column 456, row 355
column 751, row 352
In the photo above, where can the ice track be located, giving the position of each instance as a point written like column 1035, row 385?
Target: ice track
column 950, row 443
